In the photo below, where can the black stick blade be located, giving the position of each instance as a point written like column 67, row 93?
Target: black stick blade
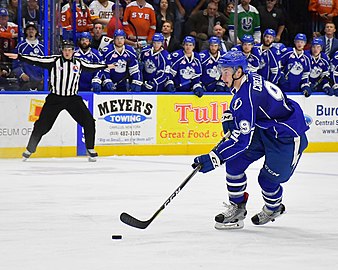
column 131, row 221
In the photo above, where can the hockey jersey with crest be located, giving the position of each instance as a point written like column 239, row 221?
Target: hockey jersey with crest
column 253, row 57
column 269, row 65
column 320, row 70
column 185, row 73
column 155, row 67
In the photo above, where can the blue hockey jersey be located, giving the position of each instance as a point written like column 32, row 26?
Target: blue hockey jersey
column 269, row 65
column 253, row 57
column 296, row 70
column 86, row 77
column 320, row 71
column 32, row 48
column 261, row 104
column 126, row 66
column 334, row 70
column 155, row 67
column 185, row 73
column 211, row 77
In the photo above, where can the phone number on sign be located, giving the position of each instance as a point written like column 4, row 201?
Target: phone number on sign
column 130, row 133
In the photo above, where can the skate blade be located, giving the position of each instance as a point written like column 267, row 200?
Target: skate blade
column 92, row 159
column 229, row 226
column 24, row 159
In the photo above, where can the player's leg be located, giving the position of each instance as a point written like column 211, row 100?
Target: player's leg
column 81, row 114
column 236, row 181
column 49, row 112
column 282, row 156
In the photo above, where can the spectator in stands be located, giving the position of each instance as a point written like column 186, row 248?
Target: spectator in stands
column 251, row 52
column 170, row 42
column 101, row 12
column 320, row 68
column 220, row 32
column 30, row 77
column 156, row 64
column 13, row 11
column 296, row 68
column 31, row 13
column 139, row 28
column 8, row 40
column 323, row 12
column 99, row 39
column 89, row 80
column 228, row 9
column 269, row 66
column 115, row 23
column 211, row 77
column 221, row 4
column 127, row 67
column 201, row 24
column 185, row 8
column 83, row 19
column 186, row 69
column 272, row 17
column 248, row 22
column 330, row 42
column 164, row 14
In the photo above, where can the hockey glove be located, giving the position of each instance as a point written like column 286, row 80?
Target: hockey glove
column 171, row 88
column 328, row 90
column 307, row 91
column 283, row 80
column 135, row 87
column 228, row 121
column 110, row 86
column 220, row 87
column 96, row 87
column 198, row 91
column 336, row 92
column 149, row 86
column 208, row 162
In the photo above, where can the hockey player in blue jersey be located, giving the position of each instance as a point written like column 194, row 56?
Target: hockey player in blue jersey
column 334, row 73
column 269, row 66
column 296, row 68
column 156, row 65
column 186, row 69
column 89, row 80
column 251, row 52
column 30, row 77
column 127, row 67
column 320, row 68
column 211, row 78
column 263, row 123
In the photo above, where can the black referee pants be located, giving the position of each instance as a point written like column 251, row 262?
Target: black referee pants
column 54, row 104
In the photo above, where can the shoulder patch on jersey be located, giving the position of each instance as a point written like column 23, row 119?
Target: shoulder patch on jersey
column 237, row 104
column 175, row 54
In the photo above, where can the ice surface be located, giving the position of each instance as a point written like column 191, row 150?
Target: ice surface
column 61, row 213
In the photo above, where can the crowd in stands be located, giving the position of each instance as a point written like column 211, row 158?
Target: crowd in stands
column 174, row 45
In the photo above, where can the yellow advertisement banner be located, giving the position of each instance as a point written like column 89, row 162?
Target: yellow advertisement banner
column 188, row 119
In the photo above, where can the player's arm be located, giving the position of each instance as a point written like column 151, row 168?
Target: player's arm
column 40, row 61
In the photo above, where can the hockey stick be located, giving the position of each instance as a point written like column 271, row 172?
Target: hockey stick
column 136, row 223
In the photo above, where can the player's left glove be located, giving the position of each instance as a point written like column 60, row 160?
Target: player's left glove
column 208, row 162
column 198, row 91
column 135, row 87
column 328, row 90
column 307, row 91
column 220, row 87
column 96, row 87
column 149, row 86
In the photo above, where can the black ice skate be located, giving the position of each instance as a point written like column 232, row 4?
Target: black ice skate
column 92, row 155
column 267, row 215
column 233, row 216
column 26, row 155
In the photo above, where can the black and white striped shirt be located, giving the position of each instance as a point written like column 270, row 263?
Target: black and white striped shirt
column 64, row 74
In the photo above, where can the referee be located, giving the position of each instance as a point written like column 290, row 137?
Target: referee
column 64, row 71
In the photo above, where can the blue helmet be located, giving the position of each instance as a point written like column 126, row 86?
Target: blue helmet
column 158, row 37
column 301, row 37
column 119, row 33
column 269, row 32
column 247, row 39
column 234, row 59
column 214, row 40
column 86, row 35
column 189, row 39
column 317, row 41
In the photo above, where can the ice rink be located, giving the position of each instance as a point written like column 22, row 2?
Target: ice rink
column 60, row 214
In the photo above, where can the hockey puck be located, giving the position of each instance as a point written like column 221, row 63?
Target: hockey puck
column 116, row 237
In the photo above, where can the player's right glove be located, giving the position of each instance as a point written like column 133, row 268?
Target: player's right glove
column 198, row 91
column 228, row 121
column 328, row 90
column 208, row 162
column 96, row 87
column 171, row 88
column 220, row 87
column 283, row 80
column 307, row 91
